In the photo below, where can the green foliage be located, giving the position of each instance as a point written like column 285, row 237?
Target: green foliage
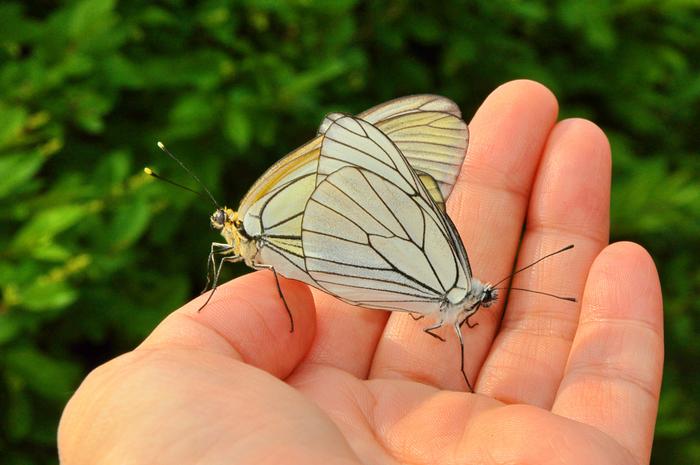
column 94, row 254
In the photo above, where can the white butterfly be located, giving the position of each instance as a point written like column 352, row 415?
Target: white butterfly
column 373, row 236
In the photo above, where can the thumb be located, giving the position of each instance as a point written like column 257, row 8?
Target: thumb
column 246, row 319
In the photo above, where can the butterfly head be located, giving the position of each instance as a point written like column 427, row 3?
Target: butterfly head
column 482, row 295
column 224, row 218
column 227, row 221
column 488, row 296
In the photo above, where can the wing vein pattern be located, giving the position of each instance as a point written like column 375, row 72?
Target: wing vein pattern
column 371, row 233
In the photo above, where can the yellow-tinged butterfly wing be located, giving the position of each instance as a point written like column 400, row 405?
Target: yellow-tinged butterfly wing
column 432, row 142
column 427, row 129
column 275, row 218
column 410, row 104
column 303, row 159
column 433, row 188
column 435, row 142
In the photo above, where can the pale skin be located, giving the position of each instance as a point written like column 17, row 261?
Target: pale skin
column 556, row 382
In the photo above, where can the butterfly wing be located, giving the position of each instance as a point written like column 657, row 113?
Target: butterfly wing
column 432, row 142
column 428, row 130
column 410, row 104
column 371, row 233
column 427, row 127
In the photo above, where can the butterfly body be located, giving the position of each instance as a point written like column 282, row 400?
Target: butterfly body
column 460, row 305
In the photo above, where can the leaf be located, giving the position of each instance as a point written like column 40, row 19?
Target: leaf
column 9, row 327
column 19, row 415
column 52, row 252
column 47, row 295
column 122, row 72
column 130, row 221
column 18, row 168
column 14, row 26
column 46, row 224
column 238, row 127
column 88, row 16
column 89, row 109
column 47, row 376
column 193, row 114
column 112, row 169
column 12, row 120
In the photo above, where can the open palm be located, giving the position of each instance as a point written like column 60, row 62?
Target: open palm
column 556, row 382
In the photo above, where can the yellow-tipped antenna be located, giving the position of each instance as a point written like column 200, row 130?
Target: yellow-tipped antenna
column 153, row 174
column 194, row 176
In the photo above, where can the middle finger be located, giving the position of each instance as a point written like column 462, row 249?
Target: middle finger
column 488, row 205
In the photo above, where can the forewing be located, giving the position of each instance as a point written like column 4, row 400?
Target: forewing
column 432, row 142
column 275, row 218
column 298, row 163
column 427, row 129
column 400, row 119
column 351, row 141
column 370, row 243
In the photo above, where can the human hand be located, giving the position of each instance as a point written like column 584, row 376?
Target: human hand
column 556, row 382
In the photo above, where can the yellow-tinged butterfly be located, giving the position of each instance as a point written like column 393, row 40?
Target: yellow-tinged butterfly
column 265, row 231
column 373, row 236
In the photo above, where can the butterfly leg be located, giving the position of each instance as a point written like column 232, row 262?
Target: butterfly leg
column 430, row 329
column 279, row 290
column 461, row 355
column 216, row 277
column 416, row 318
column 216, row 249
column 466, row 320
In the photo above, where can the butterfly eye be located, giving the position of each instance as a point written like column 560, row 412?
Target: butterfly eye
column 218, row 219
column 490, row 295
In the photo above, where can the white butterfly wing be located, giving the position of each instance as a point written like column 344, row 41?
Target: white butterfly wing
column 434, row 143
column 410, row 104
column 371, row 234
column 429, row 132
column 275, row 219
column 427, row 129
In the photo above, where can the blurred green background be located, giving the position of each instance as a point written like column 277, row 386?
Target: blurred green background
column 94, row 254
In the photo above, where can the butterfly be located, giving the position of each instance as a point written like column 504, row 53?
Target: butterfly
column 265, row 231
column 374, row 237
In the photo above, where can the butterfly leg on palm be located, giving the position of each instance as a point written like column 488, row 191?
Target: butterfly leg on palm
column 466, row 320
column 279, row 290
column 217, row 273
column 429, row 330
column 457, row 327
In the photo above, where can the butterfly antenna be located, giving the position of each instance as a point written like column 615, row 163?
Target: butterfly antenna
column 153, row 174
column 189, row 171
column 570, row 299
column 568, row 247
